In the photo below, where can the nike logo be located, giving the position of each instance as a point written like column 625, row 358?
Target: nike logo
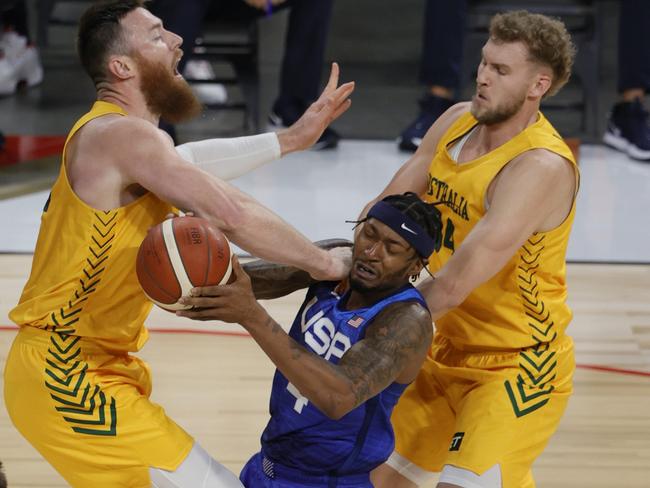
column 403, row 226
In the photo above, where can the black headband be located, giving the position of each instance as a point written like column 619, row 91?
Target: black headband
column 405, row 226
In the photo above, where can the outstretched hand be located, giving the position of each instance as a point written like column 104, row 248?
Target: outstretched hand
column 234, row 302
column 332, row 102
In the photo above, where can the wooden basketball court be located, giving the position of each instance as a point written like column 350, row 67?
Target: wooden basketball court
column 215, row 382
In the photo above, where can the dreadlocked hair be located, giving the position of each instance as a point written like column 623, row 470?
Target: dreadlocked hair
column 425, row 214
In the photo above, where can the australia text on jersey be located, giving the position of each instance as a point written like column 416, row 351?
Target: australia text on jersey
column 442, row 192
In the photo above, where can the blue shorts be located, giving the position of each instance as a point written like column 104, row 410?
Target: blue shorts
column 260, row 472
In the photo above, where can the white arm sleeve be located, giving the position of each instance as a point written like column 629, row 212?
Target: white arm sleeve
column 230, row 158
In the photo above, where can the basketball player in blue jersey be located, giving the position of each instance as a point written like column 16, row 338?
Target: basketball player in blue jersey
column 350, row 353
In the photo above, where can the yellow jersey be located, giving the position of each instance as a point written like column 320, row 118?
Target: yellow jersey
column 83, row 281
column 524, row 304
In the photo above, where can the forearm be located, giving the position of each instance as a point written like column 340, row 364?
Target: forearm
column 288, row 141
column 455, row 281
column 393, row 348
column 265, row 235
column 229, row 158
column 318, row 380
column 440, row 299
column 270, row 280
column 476, row 261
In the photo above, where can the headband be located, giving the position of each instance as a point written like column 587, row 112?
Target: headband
column 405, row 226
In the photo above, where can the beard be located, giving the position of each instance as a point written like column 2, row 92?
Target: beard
column 388, row 283
column 166, row 95
column 500, row 113
column 359, row 286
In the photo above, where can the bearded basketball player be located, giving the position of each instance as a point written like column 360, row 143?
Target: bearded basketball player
column 72, row 388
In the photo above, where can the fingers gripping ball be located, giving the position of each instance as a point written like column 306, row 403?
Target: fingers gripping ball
column 179, row 254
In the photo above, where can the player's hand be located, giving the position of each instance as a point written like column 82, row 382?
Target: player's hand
column 233, row 302
column 329, row 106
column 340, row 262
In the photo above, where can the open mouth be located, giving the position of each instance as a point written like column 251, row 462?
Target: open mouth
column 364, row 271
column 175, row 65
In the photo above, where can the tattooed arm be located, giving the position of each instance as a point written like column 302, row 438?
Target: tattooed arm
column 395, row 344
column 393, row 349
column 272, row 280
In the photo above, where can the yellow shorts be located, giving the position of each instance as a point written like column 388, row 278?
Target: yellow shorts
column 474, row 410
column 88, row 411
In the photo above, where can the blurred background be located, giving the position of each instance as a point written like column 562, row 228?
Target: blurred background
column 378, row 44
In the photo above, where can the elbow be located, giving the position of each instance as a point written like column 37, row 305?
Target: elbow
column 336, row 413
column 337, row 407
column 340, row 410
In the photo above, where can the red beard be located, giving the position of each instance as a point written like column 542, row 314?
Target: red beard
column 167, row 96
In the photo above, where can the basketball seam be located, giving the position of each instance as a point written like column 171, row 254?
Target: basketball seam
column 174, row 256
column 169, row 261
column 207, row 243
column 168, row 306
column 226, row 275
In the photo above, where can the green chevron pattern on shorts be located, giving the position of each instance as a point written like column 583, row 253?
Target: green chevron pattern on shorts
column 523, row 404
column 83, row 405
column 87, row 409
column 111, row 430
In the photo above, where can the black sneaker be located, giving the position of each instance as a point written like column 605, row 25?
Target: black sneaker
column 329, row 139
column 431, row 107
column 628, row 130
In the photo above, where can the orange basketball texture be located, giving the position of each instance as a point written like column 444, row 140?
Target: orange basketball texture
column 179, row 254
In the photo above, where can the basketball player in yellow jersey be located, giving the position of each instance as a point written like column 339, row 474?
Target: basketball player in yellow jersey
column 499, row 374
column 70, row 385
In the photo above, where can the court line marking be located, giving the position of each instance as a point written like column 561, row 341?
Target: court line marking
column 610, row 369
column 592, row 367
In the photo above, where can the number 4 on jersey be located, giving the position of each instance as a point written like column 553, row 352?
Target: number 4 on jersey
column 301, row 401
column 448, row 240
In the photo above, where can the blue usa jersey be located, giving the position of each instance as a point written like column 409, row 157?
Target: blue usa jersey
column 299, row 435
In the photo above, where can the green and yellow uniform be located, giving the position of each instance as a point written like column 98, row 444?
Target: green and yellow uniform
column 499, row 373
column 71, row 386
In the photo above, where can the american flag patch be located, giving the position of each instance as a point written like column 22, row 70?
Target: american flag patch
column 355, row 321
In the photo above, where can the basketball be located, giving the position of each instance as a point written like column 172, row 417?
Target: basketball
column 179, row 254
